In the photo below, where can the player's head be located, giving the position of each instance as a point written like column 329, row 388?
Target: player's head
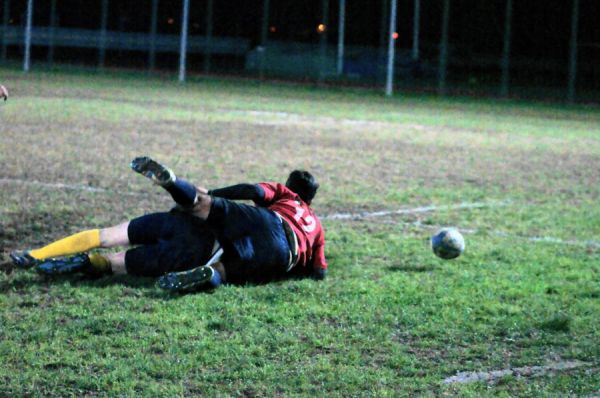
column 304, row 184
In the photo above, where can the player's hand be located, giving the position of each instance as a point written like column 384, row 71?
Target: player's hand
column 3, row 92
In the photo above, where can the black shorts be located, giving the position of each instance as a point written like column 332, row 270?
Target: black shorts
column 256, row 247
column 168, row 242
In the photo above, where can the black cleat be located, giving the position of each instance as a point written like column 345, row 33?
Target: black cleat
column 64, row 265
column 153, row 170
column 22, row 259
column 186, row 280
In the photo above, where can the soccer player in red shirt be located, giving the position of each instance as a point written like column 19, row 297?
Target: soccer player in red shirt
column 280, row 233
column 279, row 236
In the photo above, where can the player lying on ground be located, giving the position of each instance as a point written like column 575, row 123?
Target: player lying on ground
column 281, row 233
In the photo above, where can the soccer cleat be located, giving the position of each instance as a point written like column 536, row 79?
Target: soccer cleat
column 153, row 170
column 64, row 265
column 22, row 259
column 186, row 280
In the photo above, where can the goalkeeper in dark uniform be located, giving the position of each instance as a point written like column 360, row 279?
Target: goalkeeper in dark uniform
column 207, row 239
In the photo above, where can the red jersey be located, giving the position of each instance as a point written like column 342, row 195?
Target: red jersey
column 304, row 222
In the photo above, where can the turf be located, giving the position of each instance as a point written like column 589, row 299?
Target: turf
column 390, row 320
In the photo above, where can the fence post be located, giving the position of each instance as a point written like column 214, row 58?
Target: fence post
column 27, row 58
column 263, row 39
column 443, row 66
column 389, row 81
column 184, row 33
column 341, row 33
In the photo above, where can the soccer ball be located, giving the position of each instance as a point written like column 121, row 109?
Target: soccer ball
column 447, row 243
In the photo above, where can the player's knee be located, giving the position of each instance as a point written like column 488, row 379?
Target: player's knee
column 114, row 236
column 202, row 207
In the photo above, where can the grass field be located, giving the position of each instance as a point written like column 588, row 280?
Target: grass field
column 522, row 180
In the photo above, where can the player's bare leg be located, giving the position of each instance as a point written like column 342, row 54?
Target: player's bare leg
column 117, row 263
column 115, row 236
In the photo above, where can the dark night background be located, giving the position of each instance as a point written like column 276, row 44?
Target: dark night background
column 540, row 29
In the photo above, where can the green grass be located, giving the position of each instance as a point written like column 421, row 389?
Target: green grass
column 390, row 320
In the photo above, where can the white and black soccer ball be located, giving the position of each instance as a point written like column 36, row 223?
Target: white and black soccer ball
column 447, row 243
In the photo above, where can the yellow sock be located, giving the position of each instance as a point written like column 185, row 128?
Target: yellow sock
column 100, row 263
column 80, row 242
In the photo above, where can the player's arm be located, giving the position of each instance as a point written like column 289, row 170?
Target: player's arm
column 252, row 192
column 3, row 92
column 319, row 263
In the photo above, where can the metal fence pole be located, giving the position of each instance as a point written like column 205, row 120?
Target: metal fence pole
column 52, row 28
column 27, row 58
column 184, row 33
column 341, row 33
column 443, row 66
column 209, row 34
column 573, row 53
column 389, row 81
column 153, row 29
column 262, row 49
column 102, row 43
column 505, row 63
column 5, row 19
column 416, row 29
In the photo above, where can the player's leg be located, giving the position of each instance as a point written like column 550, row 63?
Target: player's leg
column 182, row 192
column 254, row 237
column 188, row 244
column 77, row 243
column 147, row 229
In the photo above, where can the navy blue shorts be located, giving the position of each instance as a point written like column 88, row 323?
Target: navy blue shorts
column 256, row 247
column 168, row 242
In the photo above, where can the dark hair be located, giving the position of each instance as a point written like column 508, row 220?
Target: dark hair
column 304, row 184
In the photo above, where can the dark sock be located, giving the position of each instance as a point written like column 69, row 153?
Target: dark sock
column 182, row 192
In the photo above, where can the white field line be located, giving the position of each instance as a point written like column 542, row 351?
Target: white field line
column 502, row 234
column 526, row 371
column 57, row 185
column 349, row 216
column 415, row 210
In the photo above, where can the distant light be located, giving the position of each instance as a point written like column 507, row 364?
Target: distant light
column 321, row 28
column 395, row 35
column 170, row 21
column 272, row 29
